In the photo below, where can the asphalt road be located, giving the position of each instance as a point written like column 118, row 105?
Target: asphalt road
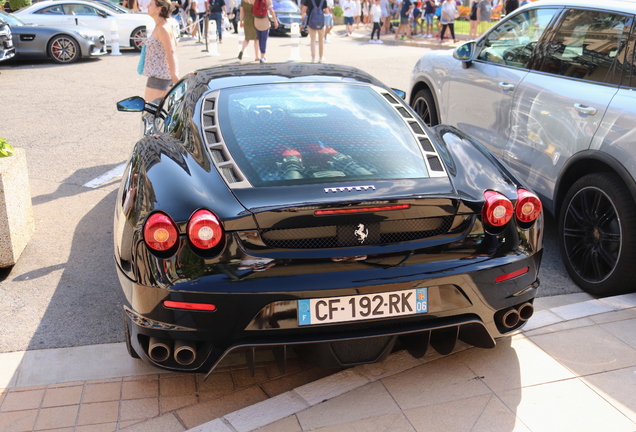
column 64, row 291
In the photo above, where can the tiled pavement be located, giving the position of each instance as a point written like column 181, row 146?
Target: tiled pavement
column 573, row 368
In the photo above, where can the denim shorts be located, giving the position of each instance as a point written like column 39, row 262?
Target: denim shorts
column 429, row 19
column 328, row 20
column 348, row 20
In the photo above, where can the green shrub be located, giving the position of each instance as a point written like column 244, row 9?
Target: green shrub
column 337, row 11
column 18, row 4
column 5, row 147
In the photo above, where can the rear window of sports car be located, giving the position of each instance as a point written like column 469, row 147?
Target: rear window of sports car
column 299, row 133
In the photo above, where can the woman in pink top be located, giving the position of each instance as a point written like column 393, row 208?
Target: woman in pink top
column 160, row 65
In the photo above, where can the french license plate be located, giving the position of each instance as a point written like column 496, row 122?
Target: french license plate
column 362, row 307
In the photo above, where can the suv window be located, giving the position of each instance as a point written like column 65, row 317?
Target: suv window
column 627, row 67
column 512, row 43
column 586, row 45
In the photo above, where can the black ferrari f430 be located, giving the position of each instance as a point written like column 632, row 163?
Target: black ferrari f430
column 307, row 206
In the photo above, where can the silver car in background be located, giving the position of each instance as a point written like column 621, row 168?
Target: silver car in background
column 62, row 44
column 551, row 91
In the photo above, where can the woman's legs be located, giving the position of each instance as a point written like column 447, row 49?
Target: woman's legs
column 452, row 29
column 441, row 36
column 376, row 28
column 262, row 41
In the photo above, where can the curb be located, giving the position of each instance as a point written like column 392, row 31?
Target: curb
column 308, row 395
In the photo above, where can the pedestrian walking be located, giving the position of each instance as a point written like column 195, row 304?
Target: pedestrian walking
column 429, row 14
column 217, row 9
column 348, row 10
column 416, row 24
column 246, row 18
column 472, row 18
column 405, row 26
column 385, row 7
column 376, row 16
column 484, row 12
column 160, row 65
column 201, row 8
column 328, row 20
column 357, row 12
column 449, row 11
column 262, row 26
column 316, row 26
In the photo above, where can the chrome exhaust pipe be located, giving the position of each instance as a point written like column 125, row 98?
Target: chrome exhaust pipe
column 158, row 350
column 510, row 318
column 526, row 310
column 184, row 353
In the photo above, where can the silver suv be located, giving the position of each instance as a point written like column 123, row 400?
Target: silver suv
column 551, row 90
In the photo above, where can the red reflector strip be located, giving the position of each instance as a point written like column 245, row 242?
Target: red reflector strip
column 189, row 306
column 512, row 275
column 362, row 210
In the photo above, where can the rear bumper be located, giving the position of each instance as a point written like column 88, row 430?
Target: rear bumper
column 467, row 307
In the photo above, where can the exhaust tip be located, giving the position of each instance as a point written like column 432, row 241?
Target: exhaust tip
column 510, row 318
column 158, row 350
column 526, row 310
column 184, row 353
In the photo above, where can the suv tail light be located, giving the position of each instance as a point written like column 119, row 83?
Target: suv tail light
column 528, row 206
column 204, row 229
column 497, row 210
column 160, row 232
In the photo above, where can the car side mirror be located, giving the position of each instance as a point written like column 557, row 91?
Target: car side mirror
column 400, row 93
column 465, row 52
column 137, row 104
column 102, row 14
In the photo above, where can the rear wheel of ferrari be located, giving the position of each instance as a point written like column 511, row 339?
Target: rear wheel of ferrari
column 424, row 105
column 596, row 227
column 138, row 38
column 64, row 49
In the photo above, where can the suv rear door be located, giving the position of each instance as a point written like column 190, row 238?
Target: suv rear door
column 481, row 96
column 559, row 106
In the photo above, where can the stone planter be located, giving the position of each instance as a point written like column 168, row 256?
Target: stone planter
column 338, row 20
column 16, row 213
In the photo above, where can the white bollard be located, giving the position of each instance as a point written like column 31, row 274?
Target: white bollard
column 213, row 49
column 114, row 38
column 295, row 43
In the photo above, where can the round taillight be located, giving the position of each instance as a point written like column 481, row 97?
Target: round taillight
column 204, row 229
column 160, row 232
column 528, row 206
column 497, row 209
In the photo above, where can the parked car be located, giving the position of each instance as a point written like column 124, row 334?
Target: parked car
column 287, row 13
column 116, row 7
column 131, row 28
column 550, row 91
column 62, row 44
column 308, row 206
column 7, row 50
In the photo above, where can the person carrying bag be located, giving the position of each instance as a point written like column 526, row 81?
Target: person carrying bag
column 315, row 19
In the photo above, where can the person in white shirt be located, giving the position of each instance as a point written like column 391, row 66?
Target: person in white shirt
column 348, row 11
column 376, row 16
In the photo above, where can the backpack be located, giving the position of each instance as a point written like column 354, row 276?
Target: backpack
column 316, row 17
column 259, row 10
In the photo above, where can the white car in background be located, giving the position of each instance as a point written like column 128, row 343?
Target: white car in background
column 131, row 27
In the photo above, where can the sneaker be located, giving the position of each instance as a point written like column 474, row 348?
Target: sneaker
column 313, row 60
column 220, row 41
column 263, row 60
column 379, row 41
column 322, row 60
column 371, row 41
column 240, row 56
column 327, row 41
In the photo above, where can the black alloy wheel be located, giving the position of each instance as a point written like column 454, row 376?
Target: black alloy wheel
column 138, row 38
column 424, row 105
column 64, row 49
column 597, row 225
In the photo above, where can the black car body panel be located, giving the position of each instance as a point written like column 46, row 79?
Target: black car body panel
column 286, row 242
